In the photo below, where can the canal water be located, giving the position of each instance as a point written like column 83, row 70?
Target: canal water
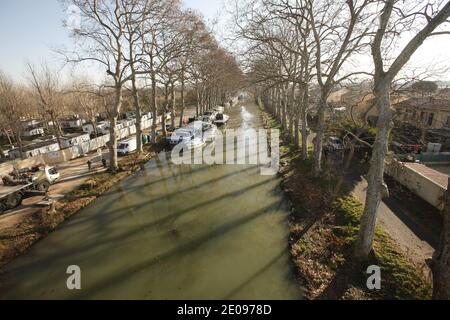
column 170, row 232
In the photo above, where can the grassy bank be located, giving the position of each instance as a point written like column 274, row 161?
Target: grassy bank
column 322, row 237
column 37, row 225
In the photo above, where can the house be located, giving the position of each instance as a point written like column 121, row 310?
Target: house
column 101, row 128
column 32, row 132
column 72, row 122
column 427, row 113
column 29, row 124
column 36, row 147
column 71, row 140
column 32, row 128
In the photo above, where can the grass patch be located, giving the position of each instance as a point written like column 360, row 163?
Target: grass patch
column 400, row 278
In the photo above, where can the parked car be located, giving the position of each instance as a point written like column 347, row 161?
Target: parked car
column 126, row 146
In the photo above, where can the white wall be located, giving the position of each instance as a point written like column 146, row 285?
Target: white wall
column 424, row 187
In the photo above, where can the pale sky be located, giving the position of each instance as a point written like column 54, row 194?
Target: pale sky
column 29, row 29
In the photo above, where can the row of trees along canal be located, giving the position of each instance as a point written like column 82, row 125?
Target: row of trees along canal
column 154, row 55
column 300, row 51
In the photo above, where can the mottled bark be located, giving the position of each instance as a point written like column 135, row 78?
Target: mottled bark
column 20, row 144
column 56, row 129
column 172, row 105
column 382, row 82
column 320, row 130
column 164, row 111
column 8, row 136
column 284, row 112
column 113, row 163
column 182, row 99
column 376, row 186
column 304, row 118
column 137, row 110
column 197, row 106
column 292, row 112
column 338, row 187
column 154, row 106
column 277, row 103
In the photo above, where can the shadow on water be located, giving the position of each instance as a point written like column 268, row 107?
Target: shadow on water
column 184, row 249
column 141, row 228
column 168, row 231
column 121, row 193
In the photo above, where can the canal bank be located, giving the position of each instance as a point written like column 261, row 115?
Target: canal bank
column 322, row 235
column 170, row 232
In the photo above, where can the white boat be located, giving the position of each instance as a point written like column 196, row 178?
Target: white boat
column 221, row 119
column 197, row 142
column 209, row 131
column 210, row 114
column 191, row 135
column 181, row 135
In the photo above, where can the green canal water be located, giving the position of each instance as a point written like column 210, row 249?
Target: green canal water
column 170, row 232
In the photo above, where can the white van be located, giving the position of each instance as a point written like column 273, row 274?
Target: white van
column 126, row 146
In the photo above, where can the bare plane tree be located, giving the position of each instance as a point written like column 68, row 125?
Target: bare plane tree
column 101, row 38
column 382, row 86
column 46, row 86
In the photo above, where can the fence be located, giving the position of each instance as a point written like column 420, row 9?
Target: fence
column 55, row 157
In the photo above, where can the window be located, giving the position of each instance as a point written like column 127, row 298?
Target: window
column 422, row 116
column 447, row 123
column 430, row 119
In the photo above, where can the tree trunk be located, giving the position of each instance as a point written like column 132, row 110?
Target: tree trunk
column 19, row 142
column 440, row 265
column 8, row 136
column 182, row 99
column 137, row 110
column 422, row 134
column 164, row 111
column 112, row 145
column 209, row 100
column 94, row 125
column 113, row 163
column 154, row 107
column 337, row 188
column 284, row 115
column 304, row 118
column 201, row 102
column 297, row 128
column 376, row 186
column 197, row 107
column 320, row 131
column 57, row 129
column 173, row 105
column 277, row 103
column 292, row 112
